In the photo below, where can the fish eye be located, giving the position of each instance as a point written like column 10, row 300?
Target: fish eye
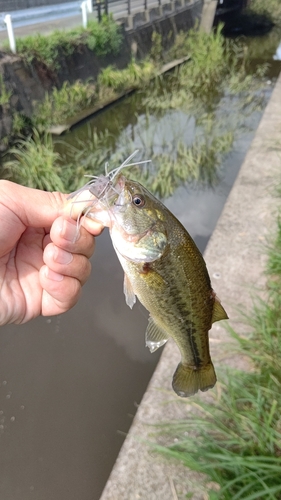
column 138, row 200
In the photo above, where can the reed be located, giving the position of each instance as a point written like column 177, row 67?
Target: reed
column 63, row 104
column 34, row 164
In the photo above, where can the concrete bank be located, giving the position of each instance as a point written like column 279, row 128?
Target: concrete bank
column 236, row 259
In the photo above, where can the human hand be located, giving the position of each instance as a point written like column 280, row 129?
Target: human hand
column 42, row 264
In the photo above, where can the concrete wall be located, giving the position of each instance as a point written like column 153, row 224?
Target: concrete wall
column 9, row 5
column 29, row 83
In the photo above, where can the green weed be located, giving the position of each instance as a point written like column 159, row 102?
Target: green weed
column 103, row 38
column 34, row 164
column 156, row 52
column 270, row 9
column 130, row 77
column 5, row 94
column 64, row 103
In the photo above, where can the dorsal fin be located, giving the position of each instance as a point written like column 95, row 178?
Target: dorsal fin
column 218, row 311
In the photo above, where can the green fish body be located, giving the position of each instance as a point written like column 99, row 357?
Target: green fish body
column 166, row 271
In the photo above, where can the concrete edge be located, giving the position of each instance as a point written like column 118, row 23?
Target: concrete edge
column 236, row 260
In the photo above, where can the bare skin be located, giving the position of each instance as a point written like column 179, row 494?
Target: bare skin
column 42, row 265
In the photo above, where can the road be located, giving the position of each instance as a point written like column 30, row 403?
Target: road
column 46, row 19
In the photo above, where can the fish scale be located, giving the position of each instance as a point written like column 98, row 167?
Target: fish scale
column 164, row 269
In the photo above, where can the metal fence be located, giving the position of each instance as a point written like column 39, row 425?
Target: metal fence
column 74, row 12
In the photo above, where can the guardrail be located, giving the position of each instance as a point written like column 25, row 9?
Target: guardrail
column 6, row 20
column 118, row 8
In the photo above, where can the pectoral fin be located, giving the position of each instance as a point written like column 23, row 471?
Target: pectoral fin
column 129, row 292
column 155, row 337
column 218, row 311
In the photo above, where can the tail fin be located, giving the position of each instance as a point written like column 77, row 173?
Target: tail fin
column 187, row 381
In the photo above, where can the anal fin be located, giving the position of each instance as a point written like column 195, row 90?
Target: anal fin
column 155, row 337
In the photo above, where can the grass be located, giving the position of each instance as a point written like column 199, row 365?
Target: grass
column 235, row 440
column 131, row 77
column 5, row 94
column 64, row 103
column 271, row 9
column 34, row 164
column 102, row 38
column 198, row 164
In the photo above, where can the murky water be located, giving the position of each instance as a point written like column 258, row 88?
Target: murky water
column 70, row 385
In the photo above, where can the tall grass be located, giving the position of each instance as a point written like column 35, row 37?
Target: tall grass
column 236, row 439
column 131, row 77
column 34, row 164
column 62, row 104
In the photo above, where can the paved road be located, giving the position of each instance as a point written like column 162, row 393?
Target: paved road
column 29, row 21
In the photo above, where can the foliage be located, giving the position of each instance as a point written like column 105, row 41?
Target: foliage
column 197, row 164
column 211, row 61
column 20, row 124
column 130, row 77
column 236, row 439
column 180, row 47
column 103, row 38
column 5, row 94
column 156, row 52
column 34, row 164
column 270, row 9
column 64, row 103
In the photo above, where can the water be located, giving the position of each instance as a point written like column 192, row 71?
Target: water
column 70, row 385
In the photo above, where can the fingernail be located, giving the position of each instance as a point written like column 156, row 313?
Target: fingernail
column 51, row 275
column 62, row 257
column 70, row 231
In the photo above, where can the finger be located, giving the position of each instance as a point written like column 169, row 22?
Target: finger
column 60, row 293
column 66, row 234
column 98, row 216
column 46, row 240
column 92, row 226
column 65, row 263
column 74, row 206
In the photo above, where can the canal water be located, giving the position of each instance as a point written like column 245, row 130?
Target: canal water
column 70, row 385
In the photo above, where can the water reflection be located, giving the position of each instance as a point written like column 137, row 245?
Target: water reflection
column 184, row 146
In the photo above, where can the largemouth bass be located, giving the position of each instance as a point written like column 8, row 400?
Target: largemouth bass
column 165, row 270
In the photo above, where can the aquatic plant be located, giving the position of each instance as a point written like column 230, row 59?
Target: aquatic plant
column 235, row 439
column 34, row 164
column 62, row 104
column 88, row 157
column 130, row 77
column 156, row 51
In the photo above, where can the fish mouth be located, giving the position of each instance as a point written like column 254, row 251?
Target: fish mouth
column 124, row 195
